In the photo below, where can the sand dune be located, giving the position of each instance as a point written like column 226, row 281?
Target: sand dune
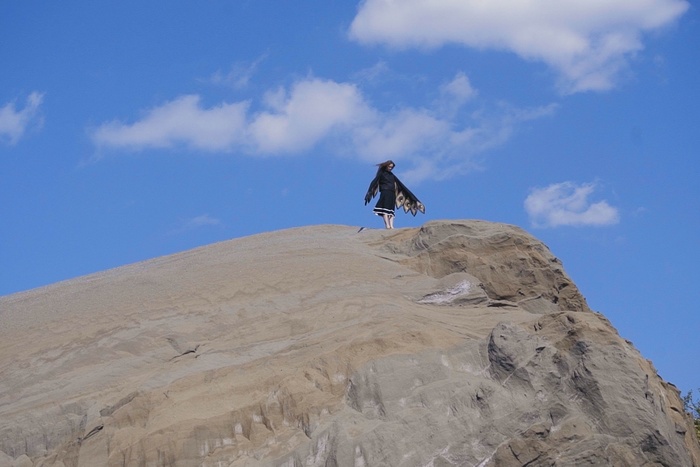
column 459, row 343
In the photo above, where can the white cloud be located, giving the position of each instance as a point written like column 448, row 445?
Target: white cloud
column 181, row 121
column 13, row 123
column 587, row 42
column 567, row 204
column 294, row 122
column 408, row 131
column 314, row 111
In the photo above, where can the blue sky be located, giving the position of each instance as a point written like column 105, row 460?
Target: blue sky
column 132, row 129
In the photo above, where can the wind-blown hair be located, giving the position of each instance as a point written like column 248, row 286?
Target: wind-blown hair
column 383, row 165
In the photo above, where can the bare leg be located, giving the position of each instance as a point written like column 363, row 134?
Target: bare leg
column 387, row 221
column 391, row 222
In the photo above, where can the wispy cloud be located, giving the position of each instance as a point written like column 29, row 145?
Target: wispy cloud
column 586, row 42
column 455, row 94
column 457, row 150
column 239, row 75
column 198, row 222
column 459, row 89
column 373, row 74
column 14, row 123
column 568, row 204
column 314, row 111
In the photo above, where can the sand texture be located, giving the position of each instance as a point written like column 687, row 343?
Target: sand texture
column 461, row 343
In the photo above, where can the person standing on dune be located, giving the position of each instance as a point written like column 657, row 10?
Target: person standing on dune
column 392, row 193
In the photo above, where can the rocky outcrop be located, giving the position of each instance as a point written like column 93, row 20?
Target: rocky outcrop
column 512, row 267
column 459, row 343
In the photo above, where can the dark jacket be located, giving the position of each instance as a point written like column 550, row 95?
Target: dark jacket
column 387, row 180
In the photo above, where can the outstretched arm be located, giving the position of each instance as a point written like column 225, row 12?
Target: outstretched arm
column 407, row 200
column 372, row 190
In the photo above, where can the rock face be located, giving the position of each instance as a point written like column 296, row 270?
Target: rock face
column 456, row 344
